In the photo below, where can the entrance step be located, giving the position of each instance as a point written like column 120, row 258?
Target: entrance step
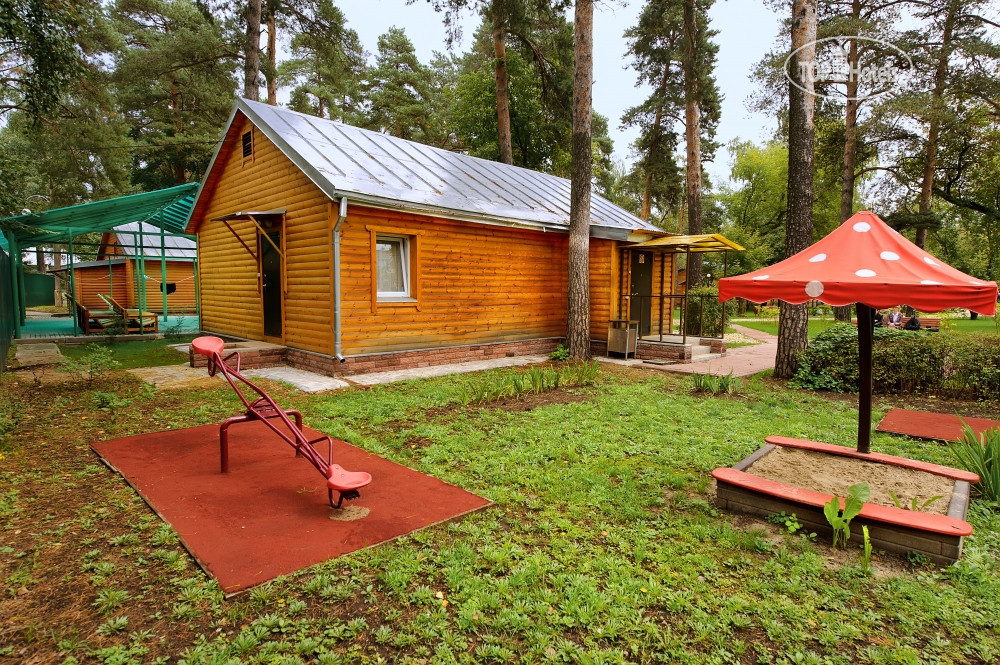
column 704, row 357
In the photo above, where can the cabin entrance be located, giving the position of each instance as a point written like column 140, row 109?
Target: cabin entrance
column 270, row 282
column 641, row 290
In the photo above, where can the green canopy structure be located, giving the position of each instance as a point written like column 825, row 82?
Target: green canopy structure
column 167, row 209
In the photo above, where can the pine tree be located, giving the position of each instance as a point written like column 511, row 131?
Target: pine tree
column 174, row 78
column 40, row 57
column 398, row 90
column 673, row 52
column 327, row 65
column 578, row 311
column 793, row 330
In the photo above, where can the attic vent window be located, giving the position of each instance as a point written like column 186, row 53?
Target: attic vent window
column 247, row 145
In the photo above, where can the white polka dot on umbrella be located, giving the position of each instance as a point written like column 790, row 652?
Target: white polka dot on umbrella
column 930, row 282
column 760, row 277
column 889, row 256
column 818, row 258
column 865, row 272
column 862, row 227
column 814, row 289
column 929, row 261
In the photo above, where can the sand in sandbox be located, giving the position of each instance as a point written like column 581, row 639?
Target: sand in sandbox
column 834, row 474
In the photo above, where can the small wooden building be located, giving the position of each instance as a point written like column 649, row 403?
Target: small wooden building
column 129, row 268
column 359, row 251
column 156, row 265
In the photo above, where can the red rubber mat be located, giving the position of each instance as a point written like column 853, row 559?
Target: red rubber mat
column 269, row 515
column 927, row 425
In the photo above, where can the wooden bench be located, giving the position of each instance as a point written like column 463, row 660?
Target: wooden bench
column 91, row 320
column 135, row 321
column 930, row 323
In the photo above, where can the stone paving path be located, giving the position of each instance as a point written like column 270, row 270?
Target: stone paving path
column 441, row 370
column 743, row 361
column 42, row 353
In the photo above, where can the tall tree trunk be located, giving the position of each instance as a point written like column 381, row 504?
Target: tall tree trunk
column 578, row 311
column 692, row 130
column 793, row 320
column 503, row 95
column 850, row 145
column 934, row 130
column 272, row 59
column 251, row 52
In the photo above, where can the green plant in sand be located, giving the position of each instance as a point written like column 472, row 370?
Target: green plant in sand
column 839, row 519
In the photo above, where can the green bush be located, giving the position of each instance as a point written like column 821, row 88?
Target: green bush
column 712, row 324
column 980, row 455
column 903, row 362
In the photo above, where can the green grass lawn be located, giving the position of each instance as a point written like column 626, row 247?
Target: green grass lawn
column 153, row 353
column 603, row 546
column 818, row 325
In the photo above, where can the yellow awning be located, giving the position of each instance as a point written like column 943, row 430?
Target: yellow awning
column 709, row 242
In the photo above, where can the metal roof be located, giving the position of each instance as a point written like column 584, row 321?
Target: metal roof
column 385, row 171
column 77, row 265
column 707, row 242
column 169, row 208
column 127, row 236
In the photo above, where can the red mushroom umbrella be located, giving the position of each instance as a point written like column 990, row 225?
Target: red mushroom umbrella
column 864, row 261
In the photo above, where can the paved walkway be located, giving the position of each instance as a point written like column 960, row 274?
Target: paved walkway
column 32, row 355
column 441, row 370
column 742, row 361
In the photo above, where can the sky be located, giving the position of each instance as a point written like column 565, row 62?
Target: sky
column 747, row 30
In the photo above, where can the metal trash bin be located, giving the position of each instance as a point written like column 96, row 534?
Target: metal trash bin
column 623, row 336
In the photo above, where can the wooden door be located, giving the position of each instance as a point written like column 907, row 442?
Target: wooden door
column 270, row 277
column 641, row 290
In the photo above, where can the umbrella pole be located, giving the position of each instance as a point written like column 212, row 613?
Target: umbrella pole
column 866, row 325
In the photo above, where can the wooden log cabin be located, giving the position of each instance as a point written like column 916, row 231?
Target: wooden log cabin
column 156, row 264
column 129, row 268
column 358, row 251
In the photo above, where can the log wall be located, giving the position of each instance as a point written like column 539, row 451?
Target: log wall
column 230, row 295
column 90, row 281
column 472, row 283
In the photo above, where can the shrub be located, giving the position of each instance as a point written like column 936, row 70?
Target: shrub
column 708, row 298
column 708, row 383
column 98, row 360
column 560, row 354
column 980, row 455
column 903, row 362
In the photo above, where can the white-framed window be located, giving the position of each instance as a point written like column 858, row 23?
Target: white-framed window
column 392, row 265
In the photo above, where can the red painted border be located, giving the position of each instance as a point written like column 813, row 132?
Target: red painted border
column 936, row 469
column 888, row 514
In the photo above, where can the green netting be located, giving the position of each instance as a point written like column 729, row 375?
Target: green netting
column 165, row 208
column 7, row 312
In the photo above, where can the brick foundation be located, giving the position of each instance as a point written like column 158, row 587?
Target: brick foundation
column 252, row 354
column 259, row 354
column 654, row 351
column 677, row 352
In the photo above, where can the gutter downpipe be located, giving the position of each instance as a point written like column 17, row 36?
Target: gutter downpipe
column 341, row 216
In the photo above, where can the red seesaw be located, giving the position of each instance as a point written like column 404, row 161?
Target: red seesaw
column 264, row 409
